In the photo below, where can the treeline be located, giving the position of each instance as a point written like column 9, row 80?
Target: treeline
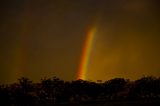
column 57, row 91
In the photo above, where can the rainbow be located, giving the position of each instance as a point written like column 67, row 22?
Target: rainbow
column 19, row 50
column 86, row 52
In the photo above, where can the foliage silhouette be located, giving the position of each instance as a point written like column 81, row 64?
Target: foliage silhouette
column 57, row 91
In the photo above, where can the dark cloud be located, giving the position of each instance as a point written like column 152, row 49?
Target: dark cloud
column 45, row 38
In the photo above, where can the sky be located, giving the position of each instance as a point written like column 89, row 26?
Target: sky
column 45, row 38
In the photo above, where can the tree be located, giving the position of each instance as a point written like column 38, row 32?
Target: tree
column 22, row 92
column 113, row 86
column 144, row 87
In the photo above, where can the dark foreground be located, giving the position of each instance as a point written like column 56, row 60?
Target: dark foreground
column 126, row 103
column 56, row 92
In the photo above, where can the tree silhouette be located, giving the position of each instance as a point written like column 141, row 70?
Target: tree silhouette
column 56, row 91
column 113, row 86
column 5, row 95
column 23, row 92
column 144, row 87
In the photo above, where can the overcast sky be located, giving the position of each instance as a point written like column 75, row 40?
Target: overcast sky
column 45, row 38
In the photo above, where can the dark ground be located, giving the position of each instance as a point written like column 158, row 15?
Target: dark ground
column 128, row 103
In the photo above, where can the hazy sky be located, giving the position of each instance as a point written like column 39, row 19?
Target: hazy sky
column 45, row 38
